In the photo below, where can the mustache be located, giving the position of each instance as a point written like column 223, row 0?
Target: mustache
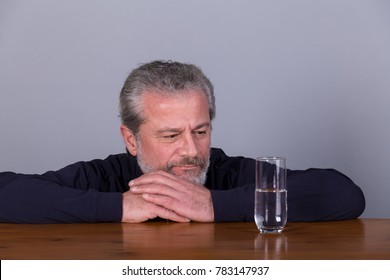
column 188, row 161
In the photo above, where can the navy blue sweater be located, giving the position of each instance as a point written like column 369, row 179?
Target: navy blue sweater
column 92, row 192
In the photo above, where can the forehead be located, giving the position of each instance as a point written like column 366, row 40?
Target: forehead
column 186, row 106
column 161, row 100
column 152, row 94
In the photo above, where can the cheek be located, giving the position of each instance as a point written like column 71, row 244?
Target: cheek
column 161, row 154
column 204, row 147
column 167, row 152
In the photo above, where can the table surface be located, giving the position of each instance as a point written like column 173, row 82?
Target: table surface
column 367, row 239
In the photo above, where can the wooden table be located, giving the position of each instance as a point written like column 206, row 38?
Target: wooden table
column 367, row 239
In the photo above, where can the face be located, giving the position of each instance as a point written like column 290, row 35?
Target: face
column 175, row 136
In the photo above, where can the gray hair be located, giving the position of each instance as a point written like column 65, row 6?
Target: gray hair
column 162, row 77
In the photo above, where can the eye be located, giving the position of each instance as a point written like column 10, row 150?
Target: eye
column 170, row 136
column 200, row 132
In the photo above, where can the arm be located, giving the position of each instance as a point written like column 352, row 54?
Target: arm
column 313, row 194
column 322, row 195
column 88, row 192
column 33, row 199
column 78, row 193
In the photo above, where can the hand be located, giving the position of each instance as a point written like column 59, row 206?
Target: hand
column 185, row 198
column 136, row 210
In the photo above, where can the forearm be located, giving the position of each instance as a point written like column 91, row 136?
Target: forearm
column 31, row 199
column 322, row 195
column 313, row 195
column 234, row 205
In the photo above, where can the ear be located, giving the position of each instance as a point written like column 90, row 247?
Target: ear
column 129, row 138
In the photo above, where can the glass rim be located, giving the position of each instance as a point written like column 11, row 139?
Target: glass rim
column 270, row 158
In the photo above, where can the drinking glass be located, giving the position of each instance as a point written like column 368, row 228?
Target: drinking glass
column 271, row 194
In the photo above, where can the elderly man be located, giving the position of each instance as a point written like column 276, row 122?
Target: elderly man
column 169, row 170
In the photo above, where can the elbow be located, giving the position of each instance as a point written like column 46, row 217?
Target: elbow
column 351, row 202
column 357, row 202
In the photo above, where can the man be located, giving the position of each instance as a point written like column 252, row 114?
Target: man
column 170, row 171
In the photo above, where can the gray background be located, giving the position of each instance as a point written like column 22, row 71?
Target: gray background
column 308, row 80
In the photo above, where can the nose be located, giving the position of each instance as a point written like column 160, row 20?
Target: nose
column 188, row 146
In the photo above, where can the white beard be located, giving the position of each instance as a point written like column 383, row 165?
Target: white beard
column 194, row 177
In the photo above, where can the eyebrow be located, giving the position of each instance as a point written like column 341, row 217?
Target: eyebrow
column 176, row 130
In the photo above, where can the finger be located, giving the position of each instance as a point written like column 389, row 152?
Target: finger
column 154, row 189
column 165, row 213
column 157, row 183
column 159, row 177
column 167, row 202
column 198, row 211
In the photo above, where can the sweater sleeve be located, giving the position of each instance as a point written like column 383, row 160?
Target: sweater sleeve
column 312, row 194
column 322, row 195
column 234, row 205
column 78, row 193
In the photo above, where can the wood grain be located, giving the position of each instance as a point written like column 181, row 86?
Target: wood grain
column 354, row 239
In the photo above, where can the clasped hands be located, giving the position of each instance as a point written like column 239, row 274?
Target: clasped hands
column 164, row 195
